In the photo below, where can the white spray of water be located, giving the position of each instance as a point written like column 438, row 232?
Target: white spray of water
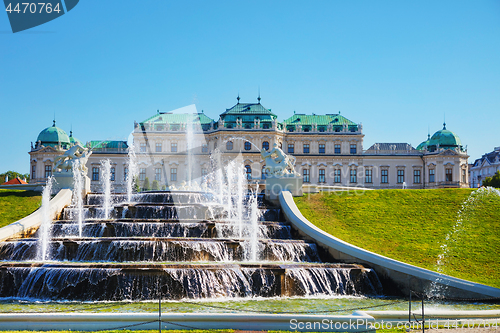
column 132, row 171
column 106, row 184
column 189, row 149
column 462, row 219
column 44, row 232
column 78, row 195
column 254, row 225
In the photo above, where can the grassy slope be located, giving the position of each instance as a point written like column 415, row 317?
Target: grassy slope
column 411, row 225
column 14, row 205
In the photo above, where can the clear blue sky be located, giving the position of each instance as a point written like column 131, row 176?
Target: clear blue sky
column 396, row 66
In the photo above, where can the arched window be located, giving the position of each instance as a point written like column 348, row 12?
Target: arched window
column 265, row 145
column 248, row 171
column 229, row 145
column 248, row 145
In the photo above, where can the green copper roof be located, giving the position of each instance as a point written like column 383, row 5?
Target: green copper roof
column 53, row 136
column 425, row 144
column 253, row 109
column 73, row 140
column 178, row 118
column 444, row 139
column 97, row 144
column 303, row 119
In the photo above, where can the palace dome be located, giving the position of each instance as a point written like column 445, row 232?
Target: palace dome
column 54, row 136
column 444, row 139
column 425, row 144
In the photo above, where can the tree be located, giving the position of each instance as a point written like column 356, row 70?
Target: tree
column 136, row 186
column 493, row 181
column 155, row 186
column 146, row 186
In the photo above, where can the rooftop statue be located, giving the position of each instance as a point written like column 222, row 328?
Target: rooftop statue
column 278, row 164
column 75, row 153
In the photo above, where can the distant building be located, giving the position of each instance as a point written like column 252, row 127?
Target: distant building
column 328, row 150
column 15, row 181
column 483, row 167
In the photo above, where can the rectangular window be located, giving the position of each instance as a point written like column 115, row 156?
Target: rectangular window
column 368, row 176
column 449, row 175
column 416, row 176
column 48, row 171
column 142, row 174
column 143, row 147
column 113, row 171
column 401, row 176
column 384, row 176
column 432, row 175
column 464, row 176
column 337, row 148
column 321, row 178
column 321, row 148
column 204, row 174
column 306, row 148
column 158, row 174
column 158, row 147
column 95, row 173
column 173, row 174
column 125, row 173
column 33, row 171
column 305, row 175
column 173, row 147
column 204, row 148
column 353, row 176
column 291, row 148
column 353, row 149
column 336, row 176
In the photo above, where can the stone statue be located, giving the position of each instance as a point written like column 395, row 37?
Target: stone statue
column 66, row 160
column 278, row 164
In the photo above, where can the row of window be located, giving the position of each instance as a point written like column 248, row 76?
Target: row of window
column 248, row 146
column 384, row 176
column 321, row 148
column 173, row 147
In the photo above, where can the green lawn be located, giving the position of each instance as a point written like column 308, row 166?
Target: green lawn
column 14, row 205
column 412, row 225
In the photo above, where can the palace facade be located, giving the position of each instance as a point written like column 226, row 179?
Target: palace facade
column 328, row 150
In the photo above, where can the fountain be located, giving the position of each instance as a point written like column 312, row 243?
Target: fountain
column 45, row 234
column 132, row 171
column 223, row 241
column 106, row 185
column 78, row 179
column 437, row 289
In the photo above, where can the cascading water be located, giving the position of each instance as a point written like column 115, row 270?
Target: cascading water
column 107, row 204
column 78, row 195
column 131, row 171
column 253, row 208
column 44, row 234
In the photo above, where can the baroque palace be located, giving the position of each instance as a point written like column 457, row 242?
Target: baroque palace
column 328, row 150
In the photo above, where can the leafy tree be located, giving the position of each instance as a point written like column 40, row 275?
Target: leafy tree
column 136, row 186
column 155, row 186
column 146, row 186
column 492, row 181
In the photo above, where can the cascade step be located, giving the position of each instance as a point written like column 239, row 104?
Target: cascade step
column 158, row 228
column 140, row 282
column 160, row 249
